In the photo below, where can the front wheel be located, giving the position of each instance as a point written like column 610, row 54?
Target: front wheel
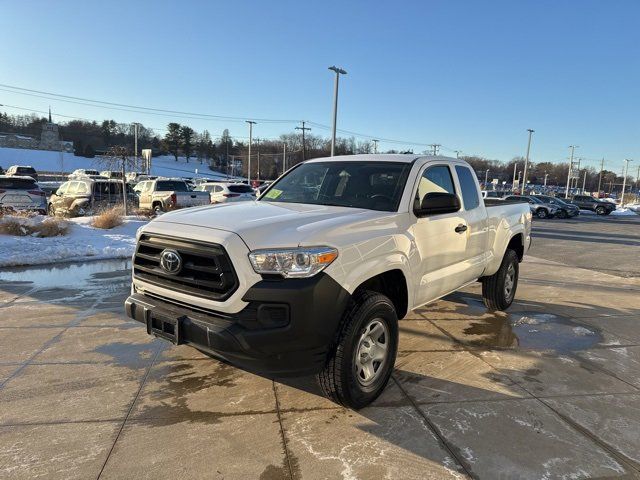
column 542, row 213
column 499, row 290
column 601, row 211
column 362, row 359
column 562, row 214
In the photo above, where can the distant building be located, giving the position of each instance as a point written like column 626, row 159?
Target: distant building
column 49, row 139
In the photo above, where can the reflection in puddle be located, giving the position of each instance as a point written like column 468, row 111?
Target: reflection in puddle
column 534, row 331
column 67, row 275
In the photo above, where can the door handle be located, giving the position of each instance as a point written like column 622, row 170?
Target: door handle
column 461, row 228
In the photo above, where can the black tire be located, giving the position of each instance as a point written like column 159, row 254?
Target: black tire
column 601, row 211
column 542, row 213
column 338, row 379
column 562, row 214
column 158, row 209
column 494, row 292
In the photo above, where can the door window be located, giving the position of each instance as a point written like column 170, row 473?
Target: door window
column 73, row 188
column 468, row 188
column 434, row 179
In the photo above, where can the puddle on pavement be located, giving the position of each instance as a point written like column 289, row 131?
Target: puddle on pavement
column 532, row 331
column 68, row 275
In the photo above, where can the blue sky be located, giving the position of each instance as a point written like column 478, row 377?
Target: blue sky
column 469, row 75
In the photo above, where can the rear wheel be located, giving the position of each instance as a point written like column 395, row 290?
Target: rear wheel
column 157, row 209
column 562, row 214
column 362, row 359
column 542, row 213
column 601, row 211
column 499, row 290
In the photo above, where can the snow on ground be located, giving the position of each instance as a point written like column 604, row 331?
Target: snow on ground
column 49, row 161
column 82, row 242
column 618, row 212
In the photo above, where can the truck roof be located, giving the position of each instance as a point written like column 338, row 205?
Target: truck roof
column 379, row 157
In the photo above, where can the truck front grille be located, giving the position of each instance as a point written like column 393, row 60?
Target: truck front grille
column 206, row 270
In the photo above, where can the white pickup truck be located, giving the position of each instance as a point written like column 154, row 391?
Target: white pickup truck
column 314, row 275
column 164, row 194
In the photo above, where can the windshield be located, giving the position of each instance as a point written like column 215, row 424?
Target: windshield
column 17, row 184
column 370, row 185
column 534, row 200
column 171, row 185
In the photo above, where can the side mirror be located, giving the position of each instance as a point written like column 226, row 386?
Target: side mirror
column 438, row 203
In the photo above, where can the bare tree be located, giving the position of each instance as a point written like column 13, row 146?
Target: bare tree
column 119, row 158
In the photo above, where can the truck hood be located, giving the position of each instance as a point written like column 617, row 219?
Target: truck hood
column 271, row 225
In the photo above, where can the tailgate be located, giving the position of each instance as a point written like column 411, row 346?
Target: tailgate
column 192, row 199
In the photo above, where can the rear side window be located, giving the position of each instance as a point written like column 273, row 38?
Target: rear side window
column 171, row 185
column 468, row 187
column 240, row 189
column 26, row 170
column 17, row 184
column 434, row 179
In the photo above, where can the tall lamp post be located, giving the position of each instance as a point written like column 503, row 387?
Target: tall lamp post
column 624, row 180
column 486, row 178
column 338, row 72
column 526, row 162
column 251, row 124
column 572, row 147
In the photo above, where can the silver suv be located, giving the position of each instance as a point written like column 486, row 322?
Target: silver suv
column 21, row 193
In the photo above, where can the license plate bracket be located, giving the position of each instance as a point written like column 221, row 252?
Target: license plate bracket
column 164, row 327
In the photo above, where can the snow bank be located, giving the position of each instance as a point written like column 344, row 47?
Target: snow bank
column 82, row 242
column 48, row 161
column 623, row 212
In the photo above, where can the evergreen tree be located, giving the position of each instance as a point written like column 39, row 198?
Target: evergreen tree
column 173, row 139
column 187, row 141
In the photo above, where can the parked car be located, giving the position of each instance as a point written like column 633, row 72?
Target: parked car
column 166, row 194
column 587, row 202
column 83, row 172
column 18, row 193
column 22, row 170
column 221, row 192
column 314, row 275
column 112, row 174
column 136, row 177
column 538, row 208
column 565, row 209
column 86, row 196
column 490, row 194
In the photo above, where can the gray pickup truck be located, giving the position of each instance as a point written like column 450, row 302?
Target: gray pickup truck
column 163, row 195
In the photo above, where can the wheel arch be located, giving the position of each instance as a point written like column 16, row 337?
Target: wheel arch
column 392, row 284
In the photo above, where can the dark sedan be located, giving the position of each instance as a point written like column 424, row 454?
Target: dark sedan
column 565, row 209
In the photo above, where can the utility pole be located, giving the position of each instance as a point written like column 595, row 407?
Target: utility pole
column 251, row 124
column 584, row 180
column 457, row 152
column 515, row 169
column 338, row 72
column 135, row 142
column 600, row 176
column 575, row 185
column 304, row 143
column 572, row 147
column 526, row 162
column 284, row 157
column 624, row 180
column 435, row 147
column 258, row 145
column 375, row 145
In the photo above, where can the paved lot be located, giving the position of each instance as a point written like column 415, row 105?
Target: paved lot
column 549, row 390
column 606, row 244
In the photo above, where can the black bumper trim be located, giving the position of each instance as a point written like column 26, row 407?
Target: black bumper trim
column 307, row 315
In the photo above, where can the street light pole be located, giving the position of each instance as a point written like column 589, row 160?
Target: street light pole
column 486, row 178
column 338, row 71
column 284, row 157
column 572, row 147
column 375, row 145
column 624, row 180
column 526, row 162
column 546, row 175
column 251, row 124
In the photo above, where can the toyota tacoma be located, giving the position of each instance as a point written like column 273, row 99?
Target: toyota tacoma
column 313, row 276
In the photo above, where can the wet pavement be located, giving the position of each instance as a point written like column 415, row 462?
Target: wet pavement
column 550, row 389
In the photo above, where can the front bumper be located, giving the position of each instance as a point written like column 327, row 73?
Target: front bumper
column 286, row 329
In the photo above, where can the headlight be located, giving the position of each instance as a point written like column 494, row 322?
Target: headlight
column 293, row 262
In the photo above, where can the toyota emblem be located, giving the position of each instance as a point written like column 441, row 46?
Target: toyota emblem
column 170, row 261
